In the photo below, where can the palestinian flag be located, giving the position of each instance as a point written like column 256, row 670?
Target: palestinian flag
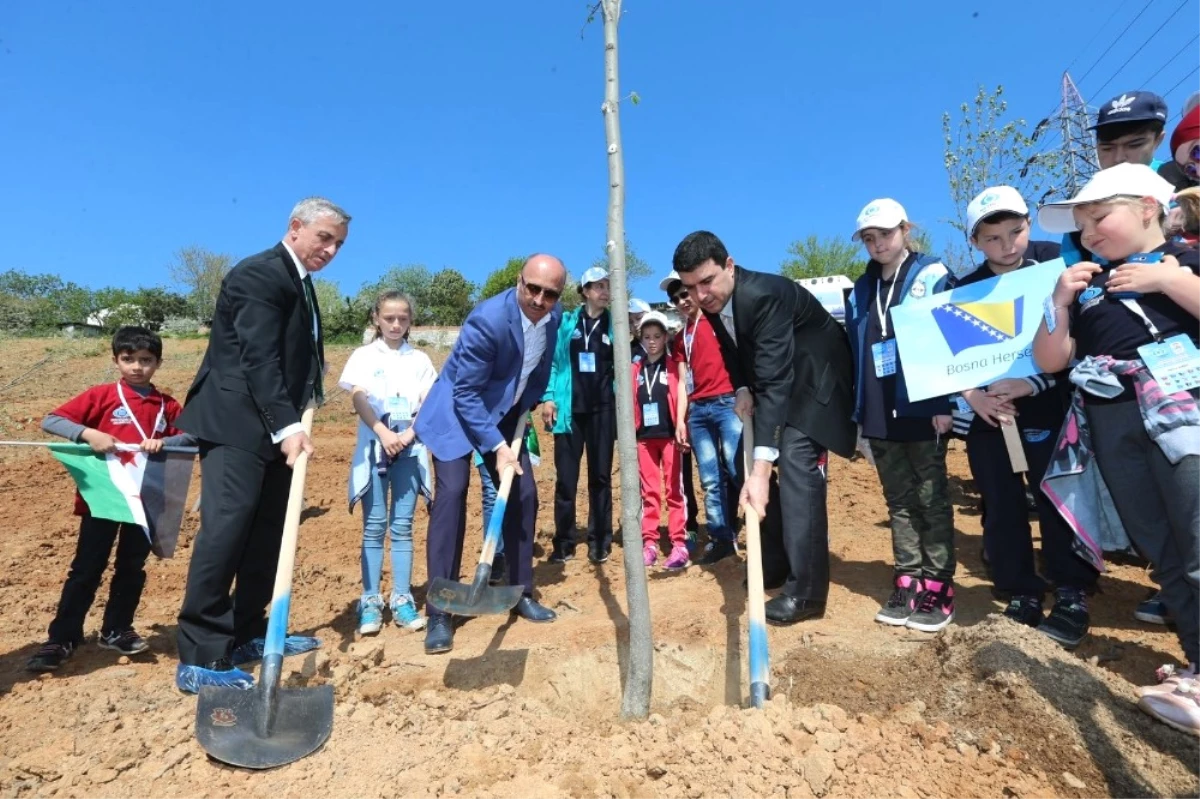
column 133, row 487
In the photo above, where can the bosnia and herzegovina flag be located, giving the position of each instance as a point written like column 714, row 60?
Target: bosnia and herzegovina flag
column 133, row 487
column 974, row 335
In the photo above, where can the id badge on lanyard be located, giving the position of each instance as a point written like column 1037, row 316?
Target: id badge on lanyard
column 1174, row 363
column 650, row 414
column 884, row 352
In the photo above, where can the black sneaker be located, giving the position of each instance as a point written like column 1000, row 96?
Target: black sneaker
column 1025, row 610
column 50, row 656
column 127, row 642
column 715, row 551
column 901, row 603
column 1068, row 621
column 562, row 552
column 598, row 553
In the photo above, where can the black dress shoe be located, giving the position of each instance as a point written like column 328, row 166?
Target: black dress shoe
column 439, row 635
column 716, row 551
column 527, row 608
column 785, row 609
column 220, row 664
column 499, row 574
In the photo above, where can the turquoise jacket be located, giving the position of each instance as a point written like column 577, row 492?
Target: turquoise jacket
column 559, row 389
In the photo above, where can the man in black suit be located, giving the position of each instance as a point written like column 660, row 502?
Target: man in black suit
column 265, row 363
column 791, row 364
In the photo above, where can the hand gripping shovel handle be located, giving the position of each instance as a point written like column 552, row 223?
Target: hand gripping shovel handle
column 760, row 689
column 281, row 598
column 491, row 537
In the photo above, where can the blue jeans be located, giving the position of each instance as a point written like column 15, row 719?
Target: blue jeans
column 716, row 433
column 487, row 491
column 403, row 478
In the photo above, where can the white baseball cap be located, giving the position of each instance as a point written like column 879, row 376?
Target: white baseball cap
column 638, row 306
column 594, row 275
column 654, row 317
column 668, row 280
column 995, row 200
column 1122, row 180
column 884, row 214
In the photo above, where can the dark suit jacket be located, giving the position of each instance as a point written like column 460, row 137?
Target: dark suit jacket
column 478, row 383
column 794, row 357
column 261, row 364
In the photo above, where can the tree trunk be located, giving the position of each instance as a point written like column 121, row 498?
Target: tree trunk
column 635, row 701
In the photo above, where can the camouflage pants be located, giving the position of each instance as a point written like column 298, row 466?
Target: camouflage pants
column 913, row 475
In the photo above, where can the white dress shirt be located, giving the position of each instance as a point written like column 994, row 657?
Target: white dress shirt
column 292, row 429
column 535, row 348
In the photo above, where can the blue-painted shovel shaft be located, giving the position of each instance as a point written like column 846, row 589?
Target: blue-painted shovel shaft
column 277, row 624
column 491, row 536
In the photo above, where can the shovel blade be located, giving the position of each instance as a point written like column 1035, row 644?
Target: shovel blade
column 455, row 598
column 228, row 721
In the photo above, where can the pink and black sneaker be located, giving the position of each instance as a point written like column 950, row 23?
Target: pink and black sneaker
column 901, row 603
column 934, row 607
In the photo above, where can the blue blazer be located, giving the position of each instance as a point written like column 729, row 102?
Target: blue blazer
column 479, row 380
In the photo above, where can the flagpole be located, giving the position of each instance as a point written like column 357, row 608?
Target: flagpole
column 178, row 450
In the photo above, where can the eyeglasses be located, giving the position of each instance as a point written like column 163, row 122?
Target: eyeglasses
column 536, row 290
column 1193, row 157
column 680, row 295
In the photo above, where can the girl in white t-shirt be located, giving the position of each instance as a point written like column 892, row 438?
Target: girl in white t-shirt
column 388, row 380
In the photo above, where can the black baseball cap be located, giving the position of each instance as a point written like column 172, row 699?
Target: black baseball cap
column 1132, row 107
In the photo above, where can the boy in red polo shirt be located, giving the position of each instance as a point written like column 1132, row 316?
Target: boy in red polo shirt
column 130, row 411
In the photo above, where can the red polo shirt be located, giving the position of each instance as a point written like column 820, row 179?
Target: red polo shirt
column 709, row 376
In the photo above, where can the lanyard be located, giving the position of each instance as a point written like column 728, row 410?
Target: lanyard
column 652, row 381
column 587, row 334
column 1136, row 307
column 689, row 338
column 134, row 419
column 882, row 310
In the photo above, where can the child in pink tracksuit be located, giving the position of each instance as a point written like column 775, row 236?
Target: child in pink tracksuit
column 659, row 416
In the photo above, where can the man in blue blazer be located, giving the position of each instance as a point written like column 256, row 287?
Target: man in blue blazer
column 495, row 375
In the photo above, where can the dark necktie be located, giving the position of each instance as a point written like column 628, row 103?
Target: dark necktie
column 310, row 299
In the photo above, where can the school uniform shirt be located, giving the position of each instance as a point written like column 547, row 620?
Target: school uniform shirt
column 654, row 386
column 879, row 418
column 592, row 391
column 697, row 345
column 141, row 416
column 1046, row 407
column 1103, row 325
column 395, row 381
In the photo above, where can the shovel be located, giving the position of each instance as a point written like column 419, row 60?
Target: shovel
column 479, row 598
column 268, row 726
column 760, row 689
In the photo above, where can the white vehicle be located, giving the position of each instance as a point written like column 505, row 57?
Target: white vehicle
column 831, row 292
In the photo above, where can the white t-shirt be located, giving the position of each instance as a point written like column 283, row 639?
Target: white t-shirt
column 394, row 380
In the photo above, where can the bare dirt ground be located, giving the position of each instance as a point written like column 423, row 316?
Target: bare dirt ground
column 985, row 709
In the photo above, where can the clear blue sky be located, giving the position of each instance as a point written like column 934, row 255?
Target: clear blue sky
column 459, row 134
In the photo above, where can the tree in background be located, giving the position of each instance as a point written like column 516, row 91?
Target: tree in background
column 200, row 271
column 413, row 279
column 815, row 257
column 635, row 267
column 451, row 297
column 985, row 149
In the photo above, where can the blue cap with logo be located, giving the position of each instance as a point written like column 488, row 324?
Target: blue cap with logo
column 1132, row 107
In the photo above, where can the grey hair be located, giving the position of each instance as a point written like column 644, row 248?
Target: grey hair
column 310, row 209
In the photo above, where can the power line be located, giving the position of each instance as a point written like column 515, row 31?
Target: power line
column 1114, row 41
column 1095, row 36
column 1181, row 80
column 1141, row 47
column 1169, row 62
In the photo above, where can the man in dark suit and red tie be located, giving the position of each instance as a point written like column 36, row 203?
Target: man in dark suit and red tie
column 495, row 375
column 792, row 368
column 265, row 363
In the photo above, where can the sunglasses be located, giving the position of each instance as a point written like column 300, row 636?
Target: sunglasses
column 679, row 295
column 1194, row 156
column 535, row 290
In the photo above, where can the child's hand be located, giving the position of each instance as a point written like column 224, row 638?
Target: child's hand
column 681, row 438
column 391, row 443
column 152, row 445
column 1142, row 278
column 1073, row 280
column 101, row 443
column 988, row 406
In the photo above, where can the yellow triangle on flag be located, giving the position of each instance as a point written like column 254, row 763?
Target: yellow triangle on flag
column 1000, row 315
